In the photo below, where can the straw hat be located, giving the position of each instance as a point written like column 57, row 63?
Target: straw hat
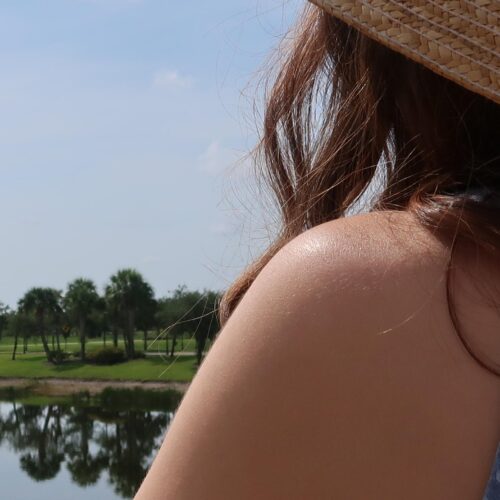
column 458, row 39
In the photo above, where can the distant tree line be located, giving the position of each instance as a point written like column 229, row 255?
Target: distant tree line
column 128, row 305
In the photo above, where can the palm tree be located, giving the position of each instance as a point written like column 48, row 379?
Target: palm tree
column 112, row 313
column 5, row 314
column 145, row 319
column 20, row 324
column 42, row 302
column 80, row 300
column 46, row 440
column 129, row 294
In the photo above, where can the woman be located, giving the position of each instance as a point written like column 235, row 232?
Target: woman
column 360, row 356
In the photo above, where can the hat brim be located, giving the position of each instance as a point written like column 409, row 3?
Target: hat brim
column 458, row 40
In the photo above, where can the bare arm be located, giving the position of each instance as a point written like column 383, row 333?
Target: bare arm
column 302, row 396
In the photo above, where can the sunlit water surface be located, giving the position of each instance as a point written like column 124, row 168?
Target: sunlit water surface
column 76, row 452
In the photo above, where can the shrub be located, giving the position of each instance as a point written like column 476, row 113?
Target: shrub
column 106, row 356
column 140, row 399
column 59, row 356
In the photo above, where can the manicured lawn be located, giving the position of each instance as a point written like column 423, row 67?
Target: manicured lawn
column 73, row 344
column 155, row 369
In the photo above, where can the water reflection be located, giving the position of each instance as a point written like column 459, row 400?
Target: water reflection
column 89, row 440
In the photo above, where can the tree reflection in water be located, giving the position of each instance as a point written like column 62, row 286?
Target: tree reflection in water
column 88, row 440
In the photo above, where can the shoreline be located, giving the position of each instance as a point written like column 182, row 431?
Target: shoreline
column 49, row 386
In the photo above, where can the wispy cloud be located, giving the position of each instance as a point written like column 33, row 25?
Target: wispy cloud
column 116, row 2
column 172, row 78
column 113, row 3
column 219, row 228
column 217, row 159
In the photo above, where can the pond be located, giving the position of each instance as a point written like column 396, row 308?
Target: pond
column 81, row 448
column 92, row 448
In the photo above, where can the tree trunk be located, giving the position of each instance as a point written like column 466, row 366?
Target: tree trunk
column 125, row 343
column 114, row 332
column 158, row 336
column 25, row 343
column 200, row 347
column 15, row 346
column 43, row 338
column 174, row 343
column 104, row 337
column 82, row 337
column 46, row 347
column 145, row 333
column 131, row 332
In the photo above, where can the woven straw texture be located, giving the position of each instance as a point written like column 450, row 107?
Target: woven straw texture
column 458, row 39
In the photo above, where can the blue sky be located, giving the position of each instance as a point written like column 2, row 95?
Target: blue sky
column 121, row 123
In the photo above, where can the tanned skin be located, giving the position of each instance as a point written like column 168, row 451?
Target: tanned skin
column 340, row 376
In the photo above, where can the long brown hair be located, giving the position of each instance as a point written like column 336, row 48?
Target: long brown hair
column 343, row 109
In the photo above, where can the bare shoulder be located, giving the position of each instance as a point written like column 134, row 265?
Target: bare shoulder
column 337, row 376
column 379, row 269
column 384, row 250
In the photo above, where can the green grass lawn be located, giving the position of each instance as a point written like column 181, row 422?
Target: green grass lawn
column 73, row 344
column 153, row 369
